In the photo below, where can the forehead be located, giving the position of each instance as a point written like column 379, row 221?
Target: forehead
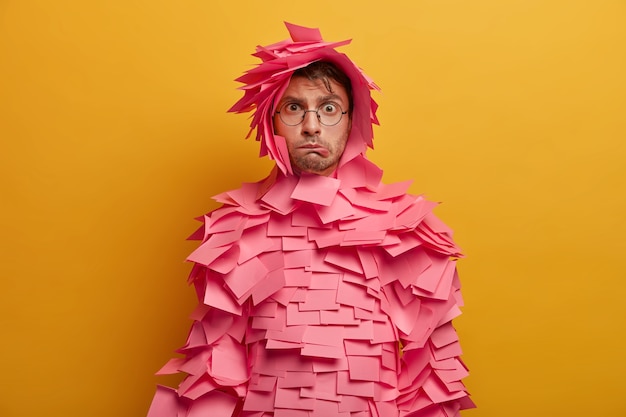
column 304, row 89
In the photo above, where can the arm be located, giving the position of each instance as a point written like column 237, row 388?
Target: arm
column 421, row 309
column 215, row 358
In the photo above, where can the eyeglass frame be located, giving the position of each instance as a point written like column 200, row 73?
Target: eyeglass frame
column 319, row 119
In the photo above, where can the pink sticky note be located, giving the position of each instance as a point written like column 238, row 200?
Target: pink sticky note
column 205, row 254
column 327, row 409
column 282, row 226
column 354, row 295
column 370, row 221
column 366, row 199
column 289, row 334
column 404, row 316
column 267, row 309
column 272, row 260
column 389, row 358
column 259, row 400
column 325, row 238
column 316, row 189
column 222, row 220
column 344, row 316
column 200, row 388
column 256, row 242
column 297, row 278
column 349, row 387
column 277, row 196
column 437, row 391
column 445, row 283
column 245, row 196
column 368, row 262
column 227, row 261
column 284, row 412
column 340, row 209
column 290, row 399
column 338, row 364
column 415, row 213
column 258, row 220
column 363, row 237
column 358, row 279
column 320, row 351
column 387, row 191
column 384, row 332
column 325, row 388
column 347, row 259
column 241, row 280
column 165, row 403
column 228, row 362
column 447, row 364
column 273, row 282
column 297, row 243
column 451, row 314
column 195, row 365
column 363, row 331
column 297, row 380
column 406, row 243
column 364, row 368
column 227, row 237
column 448, row 351
column 444, row 335
column 360, row 172
column 349, row 403
column 199, row 312
column 323, row 335
column 405, row 295
column 303, row 34
column 196, row 336
column 376, row 315
column 362, row 348
column 318, row 264
column 262, row 383
column 279, row 344
column 270, row 323
column 216, row 296
column 307, row 216
column 428, row 280
column 317, row 300
column 324, row 281
column 448, row 376
column 296, row 317
column 171, row 367
column 285, row 295
column 300, row 258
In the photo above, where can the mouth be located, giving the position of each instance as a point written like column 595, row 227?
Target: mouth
column 315, row 148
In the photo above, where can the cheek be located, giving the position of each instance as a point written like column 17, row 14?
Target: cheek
column 344, row 140
column 280, row 129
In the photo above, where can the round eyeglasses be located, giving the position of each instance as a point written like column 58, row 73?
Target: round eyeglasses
column 328, row 114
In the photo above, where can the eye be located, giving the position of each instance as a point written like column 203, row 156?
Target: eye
column 329, row 108
column 292, row 108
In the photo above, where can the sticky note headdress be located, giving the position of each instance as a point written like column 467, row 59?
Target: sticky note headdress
column 266, row 83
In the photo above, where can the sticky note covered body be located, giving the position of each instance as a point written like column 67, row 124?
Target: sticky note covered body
column 322, row 296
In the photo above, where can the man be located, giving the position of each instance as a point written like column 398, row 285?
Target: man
column 311, row 118
column 323, row 292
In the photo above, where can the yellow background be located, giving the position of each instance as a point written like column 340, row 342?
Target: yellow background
column 114, row 136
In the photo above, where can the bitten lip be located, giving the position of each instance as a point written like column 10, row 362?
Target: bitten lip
column 313, row 147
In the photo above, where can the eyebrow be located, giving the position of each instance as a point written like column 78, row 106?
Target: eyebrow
column 320, row 99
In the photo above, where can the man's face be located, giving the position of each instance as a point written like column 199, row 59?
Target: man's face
column 314, row 147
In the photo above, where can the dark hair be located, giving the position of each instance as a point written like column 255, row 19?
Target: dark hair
column 325, row 71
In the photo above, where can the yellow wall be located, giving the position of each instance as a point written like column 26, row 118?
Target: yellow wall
column 113, row 136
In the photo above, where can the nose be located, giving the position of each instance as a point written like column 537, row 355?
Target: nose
column 311, row 124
